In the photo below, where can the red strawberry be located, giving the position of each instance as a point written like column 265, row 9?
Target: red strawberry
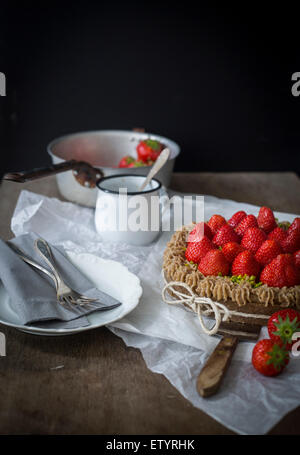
column 245, row 264
column 296, row 256
column 268, row 251
column 224, row 235
column 200, row 230
column 197, row 250
column 149, row 149
column 292, row 241
column 214, row 263
column 277, row 234
column 138, row 163
column 231, row 250
column 248, row 222
column 282, row 325
column 269, row 358
column 253, row 239
column 281, row 272
column 126, row 161
column 237, row 218
column 295, row 225
column 216, row 222
column 266, row 219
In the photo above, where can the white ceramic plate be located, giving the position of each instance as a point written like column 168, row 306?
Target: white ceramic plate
column 109, row 276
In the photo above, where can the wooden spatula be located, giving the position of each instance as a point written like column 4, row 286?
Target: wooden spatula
column 213, row 372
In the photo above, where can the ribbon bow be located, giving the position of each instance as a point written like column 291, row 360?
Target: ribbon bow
column 203, row 306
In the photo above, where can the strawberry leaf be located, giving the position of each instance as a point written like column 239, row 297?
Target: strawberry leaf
column 277, row 357
column 286, row 328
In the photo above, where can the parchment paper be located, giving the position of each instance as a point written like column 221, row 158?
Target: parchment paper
column 170, row 337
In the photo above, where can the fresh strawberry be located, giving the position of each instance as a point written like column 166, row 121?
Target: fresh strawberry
column 266, row 219
column 224, row 235
column 139, row 163
column 214, row 263
column 248, row 222
column 295, row 225
column 253, row 239
column 216, row 222
column 149, row 150
column 231, row 250
column 268, row 251
column 277, row 234
column 281, row 272
column 200, row 230
column 292, row 241
column 197, row 250
column 296, row 256
column 282, row 325
column 237, row 218
column 245, row 264
column 126, row 161
column 269, row 358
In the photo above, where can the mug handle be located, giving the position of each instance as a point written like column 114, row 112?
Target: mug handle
column 164, row 200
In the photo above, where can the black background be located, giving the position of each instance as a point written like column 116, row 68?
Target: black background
column 216, row 79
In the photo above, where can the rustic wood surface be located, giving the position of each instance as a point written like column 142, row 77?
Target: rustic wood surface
column 103, row 387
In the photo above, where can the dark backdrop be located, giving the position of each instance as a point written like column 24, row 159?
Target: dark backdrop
column 215, row 79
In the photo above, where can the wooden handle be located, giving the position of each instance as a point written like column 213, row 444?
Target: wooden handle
column 214, row 370
column 84, row 173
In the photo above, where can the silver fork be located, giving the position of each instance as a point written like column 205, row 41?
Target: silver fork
column 65, row 294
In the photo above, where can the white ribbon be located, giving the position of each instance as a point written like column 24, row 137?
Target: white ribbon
column 203, row 306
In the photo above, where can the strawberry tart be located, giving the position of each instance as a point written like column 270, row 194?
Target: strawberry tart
column 250, row 264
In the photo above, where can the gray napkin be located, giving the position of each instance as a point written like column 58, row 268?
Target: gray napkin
column 32, row 293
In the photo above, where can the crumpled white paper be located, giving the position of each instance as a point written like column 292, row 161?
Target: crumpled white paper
column 170, row 337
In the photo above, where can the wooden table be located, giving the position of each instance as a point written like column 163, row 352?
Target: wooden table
column 105, row 387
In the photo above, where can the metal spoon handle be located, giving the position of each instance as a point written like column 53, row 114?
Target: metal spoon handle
column 159, row 163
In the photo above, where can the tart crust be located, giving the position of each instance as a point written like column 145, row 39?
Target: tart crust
column 241, row 297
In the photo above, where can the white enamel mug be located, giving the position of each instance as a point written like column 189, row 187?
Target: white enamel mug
column 125, row 214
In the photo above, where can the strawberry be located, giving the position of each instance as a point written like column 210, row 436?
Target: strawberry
column 277, row 234
column 126, row 161
column 282, row 325
column 224, row 235
column 248, row 222
column 295, row 225
column 149, row 150
column 266, row 219
column 200, row 230
column 231, row 250
column 268, row 251
column 237, row 218
column 197, row 250
column 292, row 241
column 138, row 163
column 216, row 222
column 253, row 239
column 296, row 256
column 214, row 263
column 281, row 272
column 245, row 264
column 269, row 358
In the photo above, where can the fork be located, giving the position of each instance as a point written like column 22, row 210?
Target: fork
column 65, row 294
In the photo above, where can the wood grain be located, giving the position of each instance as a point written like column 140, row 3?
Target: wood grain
column 214, row 370
column 101, row 386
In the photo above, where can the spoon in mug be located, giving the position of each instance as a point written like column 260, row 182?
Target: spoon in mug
column 159, row 163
